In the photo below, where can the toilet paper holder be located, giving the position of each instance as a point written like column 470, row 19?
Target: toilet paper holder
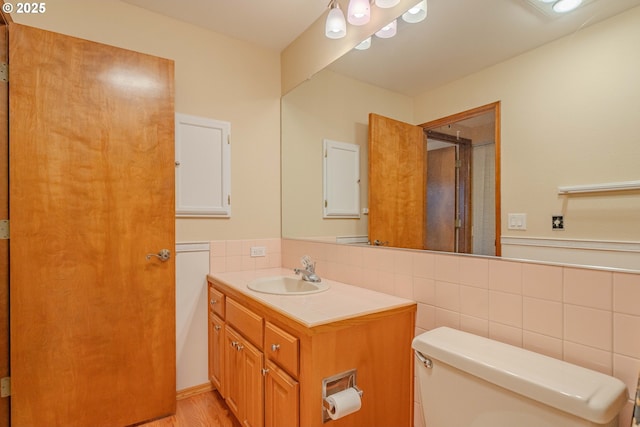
column 334, row 384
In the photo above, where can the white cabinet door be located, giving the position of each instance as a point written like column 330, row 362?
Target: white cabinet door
column 203, row 167
column 341, row 180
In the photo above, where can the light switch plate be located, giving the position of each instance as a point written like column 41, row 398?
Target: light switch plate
column 517, row 221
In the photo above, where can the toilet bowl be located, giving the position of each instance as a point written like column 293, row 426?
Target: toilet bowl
column 469, row 381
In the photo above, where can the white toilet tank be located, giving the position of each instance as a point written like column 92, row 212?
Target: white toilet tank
column 466, row 380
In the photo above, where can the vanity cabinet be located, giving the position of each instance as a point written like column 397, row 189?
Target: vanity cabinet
column 274, row 364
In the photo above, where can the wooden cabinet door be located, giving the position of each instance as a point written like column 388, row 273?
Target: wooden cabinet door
column 253, row 383
column 234, row 392
column 281, row 398
column 397, row 183
column 244, row 381
column 216, row 352
column 91, row 194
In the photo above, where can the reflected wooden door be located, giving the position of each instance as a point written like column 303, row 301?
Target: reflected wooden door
column 397, row 183
column 441, row 200
column 91, row 194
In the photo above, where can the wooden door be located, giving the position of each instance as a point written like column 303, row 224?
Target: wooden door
column 441, row 200
column 281, row 398
column 91, row 194
column 397, row 183
column 4, row 214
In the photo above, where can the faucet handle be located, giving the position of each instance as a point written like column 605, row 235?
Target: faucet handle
column 307, row 263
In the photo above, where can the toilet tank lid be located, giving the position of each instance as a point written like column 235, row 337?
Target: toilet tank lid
column 573, row 389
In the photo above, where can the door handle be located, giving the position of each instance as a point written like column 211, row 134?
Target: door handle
column 163, row 255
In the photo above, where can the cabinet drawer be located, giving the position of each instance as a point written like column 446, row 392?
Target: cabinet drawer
column 216, row 302
column 282, row 348
column 245, row 321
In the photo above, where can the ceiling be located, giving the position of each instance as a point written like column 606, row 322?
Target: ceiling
column 458, row 38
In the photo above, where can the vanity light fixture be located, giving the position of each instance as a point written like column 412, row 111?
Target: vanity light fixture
column 563, row 6
column 336, row 26
column 359, row 12
column 388, row 30
column 417, row 13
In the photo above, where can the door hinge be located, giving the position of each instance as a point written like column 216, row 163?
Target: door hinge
column 458, row 163
column 326, row 204
column 4, row 72
column 4, row 229
column 458, row 223
column 229, row 199
column 229, row 139
column 5, row 387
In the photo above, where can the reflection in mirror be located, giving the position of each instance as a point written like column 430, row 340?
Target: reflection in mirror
column 568, row 117
column 422, row 197
column 472, row 142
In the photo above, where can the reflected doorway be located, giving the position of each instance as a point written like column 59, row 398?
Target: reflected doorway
column 448, row 193
column 467, row 192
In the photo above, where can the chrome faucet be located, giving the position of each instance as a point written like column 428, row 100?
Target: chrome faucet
column 308, row 272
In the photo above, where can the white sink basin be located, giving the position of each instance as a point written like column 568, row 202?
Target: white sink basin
column 284, row 285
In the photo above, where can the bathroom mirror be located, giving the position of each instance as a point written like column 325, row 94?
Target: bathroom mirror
column 567, row 97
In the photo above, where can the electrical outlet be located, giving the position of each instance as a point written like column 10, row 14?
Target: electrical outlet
column 257, row 251
column 557, row 222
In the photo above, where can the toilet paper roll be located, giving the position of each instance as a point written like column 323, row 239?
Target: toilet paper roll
column 344, row 402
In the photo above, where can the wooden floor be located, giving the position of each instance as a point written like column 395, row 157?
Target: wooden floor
column 202, row 410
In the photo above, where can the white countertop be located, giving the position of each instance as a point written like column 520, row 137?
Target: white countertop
column 340, row 301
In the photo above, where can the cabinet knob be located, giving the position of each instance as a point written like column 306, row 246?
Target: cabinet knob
column 234, row 344
column 275, row 347
column 212, row 302
column 239, row 347
column 265, row 371
column 217, row 327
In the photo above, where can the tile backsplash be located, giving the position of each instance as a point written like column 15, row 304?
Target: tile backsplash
column 586, row 316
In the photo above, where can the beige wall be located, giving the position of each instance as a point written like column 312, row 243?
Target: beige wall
column 216, row 77
column 569, row 116
column 334, row 107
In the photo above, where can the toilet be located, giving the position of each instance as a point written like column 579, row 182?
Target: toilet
column 469, row 381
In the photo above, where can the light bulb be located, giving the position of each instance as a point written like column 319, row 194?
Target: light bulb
column 416, row 14
column 336, row 26
column 364, row 45
column 359, row 12
column 385, row 4
column 388, row 30
column 563, row 6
